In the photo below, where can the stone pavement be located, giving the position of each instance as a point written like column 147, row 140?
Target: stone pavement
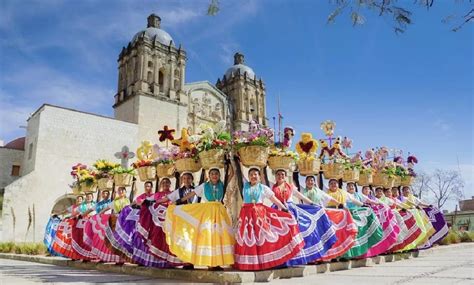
column 442, row 265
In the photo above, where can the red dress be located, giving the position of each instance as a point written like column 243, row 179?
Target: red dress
column 265, row 237
column 150, row 226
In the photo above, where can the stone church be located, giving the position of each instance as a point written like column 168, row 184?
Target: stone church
column 151, row 92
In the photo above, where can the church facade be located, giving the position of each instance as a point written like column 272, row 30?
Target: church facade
column 151, row 92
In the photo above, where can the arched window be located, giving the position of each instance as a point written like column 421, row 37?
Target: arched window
column 161, row 79
column 150, row 64
column 176, row 73
column 176, row 84
column 149, row 77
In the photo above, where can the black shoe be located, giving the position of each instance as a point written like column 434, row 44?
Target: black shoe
column 188, row 267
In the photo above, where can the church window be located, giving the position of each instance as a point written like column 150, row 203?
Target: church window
column 176, row 73
column 30, row 150
column 176, row 84
column 15, row 170
column 150, row 64
column 161, row 79
column 149, row 77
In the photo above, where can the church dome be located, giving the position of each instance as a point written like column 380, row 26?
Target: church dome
column 239, row 66
column 153, row 30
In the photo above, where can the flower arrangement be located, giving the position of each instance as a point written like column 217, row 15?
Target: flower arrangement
column 350, row 165
column 142, row 163
column 283, row 153
column 165, row 155
column 104, row 167
column 121, row 170
column 212, row 137
column 256, row 136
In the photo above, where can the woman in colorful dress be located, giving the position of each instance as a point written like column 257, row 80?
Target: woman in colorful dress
column 201, row 234
column 341, row 219
column 416, row 233
column 434, row 215
column 122, row 237
column 386, row 218
column 78, row 244
column 95, row 230
column 149, row 241
column 369, row 230
column 421, row 218
column 50, row 233
column 63, row 240
column 265, row 237
column 314, row 225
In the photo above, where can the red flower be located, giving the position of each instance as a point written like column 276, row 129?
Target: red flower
column 166, row 134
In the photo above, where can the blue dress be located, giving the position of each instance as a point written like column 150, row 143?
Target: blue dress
column 50, row 234
column 318, row 233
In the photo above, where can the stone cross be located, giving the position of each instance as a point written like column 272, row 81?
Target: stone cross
column 124, row 156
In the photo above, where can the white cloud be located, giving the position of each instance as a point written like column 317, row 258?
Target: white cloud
column 442, row 125
column 27, row 88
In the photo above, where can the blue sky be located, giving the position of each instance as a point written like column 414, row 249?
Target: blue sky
column 412, row 92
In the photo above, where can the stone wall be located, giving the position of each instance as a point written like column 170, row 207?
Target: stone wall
column 8, row 158
column 63, row 138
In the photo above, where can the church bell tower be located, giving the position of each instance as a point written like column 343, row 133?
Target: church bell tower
column 245, row 92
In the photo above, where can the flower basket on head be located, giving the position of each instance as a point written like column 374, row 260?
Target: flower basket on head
column 383, row 180
column 212, row 158
column 123, row 179
column 187, row 165
column 407, row 181
column 351, row 175
column 165, row 170
column 146, row 173
column 88, row 188
column 333, row 170
column 76, row 189
column 365, row 179
column 254, row 155
column 280, row 162
column 105, row 183
column 397, row 181
column 309, row 166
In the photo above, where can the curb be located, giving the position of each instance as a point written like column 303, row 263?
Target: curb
column 227, row 276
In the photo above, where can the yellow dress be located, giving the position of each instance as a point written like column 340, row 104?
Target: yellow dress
column 200, row 234
column 339, row 196
column 422, row 221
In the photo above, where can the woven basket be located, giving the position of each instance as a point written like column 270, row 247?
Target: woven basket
column 333, row 170
column 309, row 166
column 105, row 183
column 187, row 165
column 88, row 188
column 280, row 162
column 397, row 181
column 76, row 190
column 212, row 158
column 407, row 181
column 365, row 179
column 351, row 175
column 383, row 180
column 123, row 179
column 165, row 170
column 146, row 173
column 253, row 155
